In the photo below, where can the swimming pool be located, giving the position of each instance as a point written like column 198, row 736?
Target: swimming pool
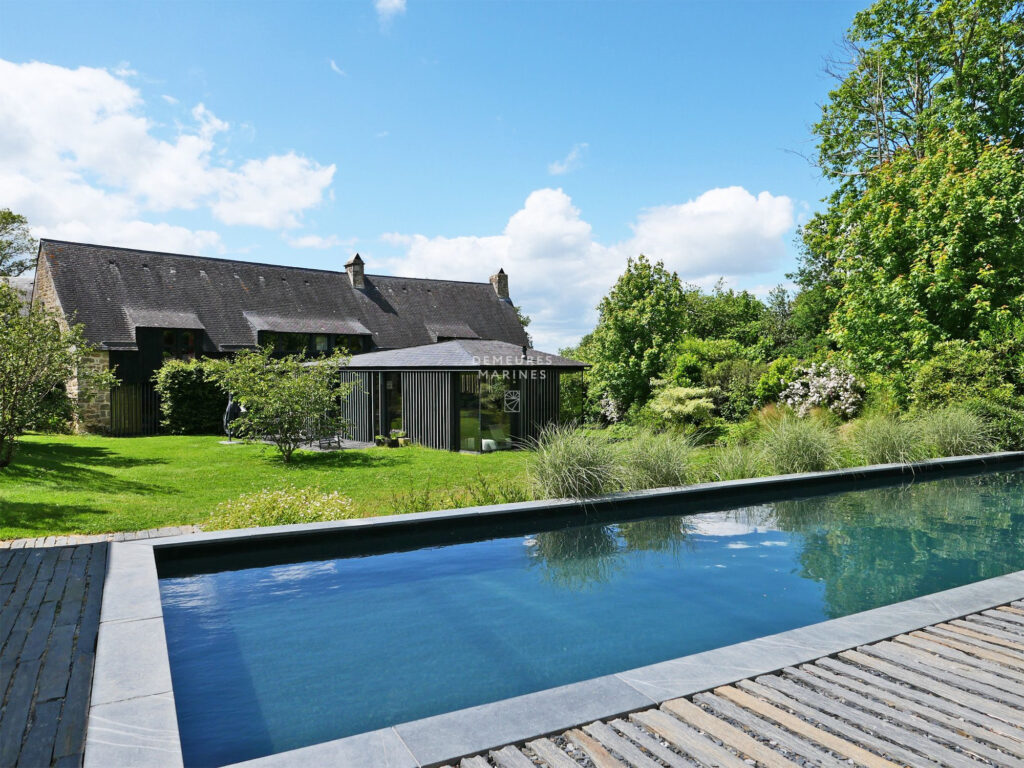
column 268, row 653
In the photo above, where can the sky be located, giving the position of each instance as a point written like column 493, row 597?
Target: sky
column 437, row 138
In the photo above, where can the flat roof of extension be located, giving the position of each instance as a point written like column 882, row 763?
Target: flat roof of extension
column 470, row 354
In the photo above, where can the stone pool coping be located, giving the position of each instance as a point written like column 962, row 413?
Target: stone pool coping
column 132, row 718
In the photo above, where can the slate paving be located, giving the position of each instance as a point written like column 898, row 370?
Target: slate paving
column 49, row 619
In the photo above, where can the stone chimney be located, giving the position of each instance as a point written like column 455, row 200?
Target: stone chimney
column 354, row 267
column 500, row 283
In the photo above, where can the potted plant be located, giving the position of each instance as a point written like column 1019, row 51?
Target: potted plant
column 397, row 435
column 380, row 440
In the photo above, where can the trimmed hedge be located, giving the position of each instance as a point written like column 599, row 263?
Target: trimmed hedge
column 189, row 403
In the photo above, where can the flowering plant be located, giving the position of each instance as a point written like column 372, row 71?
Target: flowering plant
column 823, row 386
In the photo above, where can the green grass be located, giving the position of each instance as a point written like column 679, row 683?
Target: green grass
column 86, row 484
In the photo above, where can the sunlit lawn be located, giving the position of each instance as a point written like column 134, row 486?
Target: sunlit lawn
column 88, row 484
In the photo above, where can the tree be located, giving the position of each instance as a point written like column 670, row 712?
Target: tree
column 288, row 401
column 38, row 355
column 17, row 246
column 931, row 251
column 640, row 319
column 914, row 67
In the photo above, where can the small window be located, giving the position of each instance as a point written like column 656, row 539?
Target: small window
column 321, row 344
column 179, row 344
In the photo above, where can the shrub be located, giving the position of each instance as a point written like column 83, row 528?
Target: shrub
column 824, row 386
column 887, row 439
column 283, row 506
column 1004, row 417
column 696, row 357
column 657, row 461
column 956, row 431
column 55, row 414
column 800, row 445
column 775, row 380
column 190, row 404
column 955, row 368
column 572, row 463
column 689, row 406
column 737, row 379
column 737, row 462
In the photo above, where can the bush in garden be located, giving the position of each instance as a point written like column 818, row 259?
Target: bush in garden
column 775, row 380
column 957, row 368
column 793, row 444
column 568, row 462
column 283, row 506
column 657, row 461
column 190, row 403
column 55, row 413
column 824, row 386
column 886, row 439
column 737, row 379
column 956, row 431
column 686, row 406
column 1004, row 418
column 696, row 357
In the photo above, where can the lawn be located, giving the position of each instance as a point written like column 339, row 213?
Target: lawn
column 87, row 484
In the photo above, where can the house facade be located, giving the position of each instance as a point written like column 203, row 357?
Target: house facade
column 139, row 308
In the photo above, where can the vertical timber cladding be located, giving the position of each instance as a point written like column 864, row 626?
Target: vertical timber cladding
column 427, row 407
column 540, row 405
column 357, row 407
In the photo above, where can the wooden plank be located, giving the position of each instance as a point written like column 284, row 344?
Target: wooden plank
column 687, row 740
column 830, row 741
column 1005, row 657
column 551, row 754
column 598, row 755
column 943, row 669
column 788, row 741
column 976, row 639
column 1010, row 609
column 905, row 743
column 949, row 730
column 993, row 626
column 510, row 757
column 639, row 736
column 958, row 719
column 978, row 702
column 989, row 637
column 1007, row 616
column 729, row 735
column 971, row 666
column 611, row 740
column 474, row 762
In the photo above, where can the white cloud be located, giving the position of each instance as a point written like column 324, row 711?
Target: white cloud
column 388, row 9
column 81, row 159
column 319, row 242
column 169, row 99
column 558, row 272
column 337, row 70
column 570, row 162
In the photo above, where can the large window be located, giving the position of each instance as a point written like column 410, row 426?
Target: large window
column 179, row 344
column 489, row 406
column 393, row 401
column 311, row 344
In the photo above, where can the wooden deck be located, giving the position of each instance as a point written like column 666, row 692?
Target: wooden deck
column 75, row 540
column 950, row 695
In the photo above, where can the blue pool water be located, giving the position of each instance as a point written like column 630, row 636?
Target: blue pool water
column 279, row 656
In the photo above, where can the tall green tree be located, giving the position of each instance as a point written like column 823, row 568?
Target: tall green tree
column 640, row 319
column 931, row 251
column 914, row 67
column 38, row 355
column 17, row 246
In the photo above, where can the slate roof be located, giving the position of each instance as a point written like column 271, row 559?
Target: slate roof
column 111, row 291
column 462, row 353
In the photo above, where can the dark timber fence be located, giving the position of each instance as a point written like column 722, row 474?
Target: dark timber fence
column 134, row 410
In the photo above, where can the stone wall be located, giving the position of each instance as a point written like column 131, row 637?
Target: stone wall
column 95, row 404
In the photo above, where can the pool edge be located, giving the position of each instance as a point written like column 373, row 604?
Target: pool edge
column 132, row 720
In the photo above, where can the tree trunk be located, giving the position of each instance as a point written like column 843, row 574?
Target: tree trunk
column 6, row 450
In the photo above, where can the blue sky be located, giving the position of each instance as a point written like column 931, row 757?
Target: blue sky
column 440, row 139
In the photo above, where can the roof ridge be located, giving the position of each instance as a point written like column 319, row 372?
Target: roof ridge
column 250, row 263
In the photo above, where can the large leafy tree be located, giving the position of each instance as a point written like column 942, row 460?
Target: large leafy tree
column 17, row 246
column 38, row 355
column 932, row 250
column 640, row 318
column 914, row 67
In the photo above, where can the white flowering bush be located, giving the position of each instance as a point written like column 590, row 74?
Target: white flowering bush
column 823, row 386
column 281, row 506
column 610, row 409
